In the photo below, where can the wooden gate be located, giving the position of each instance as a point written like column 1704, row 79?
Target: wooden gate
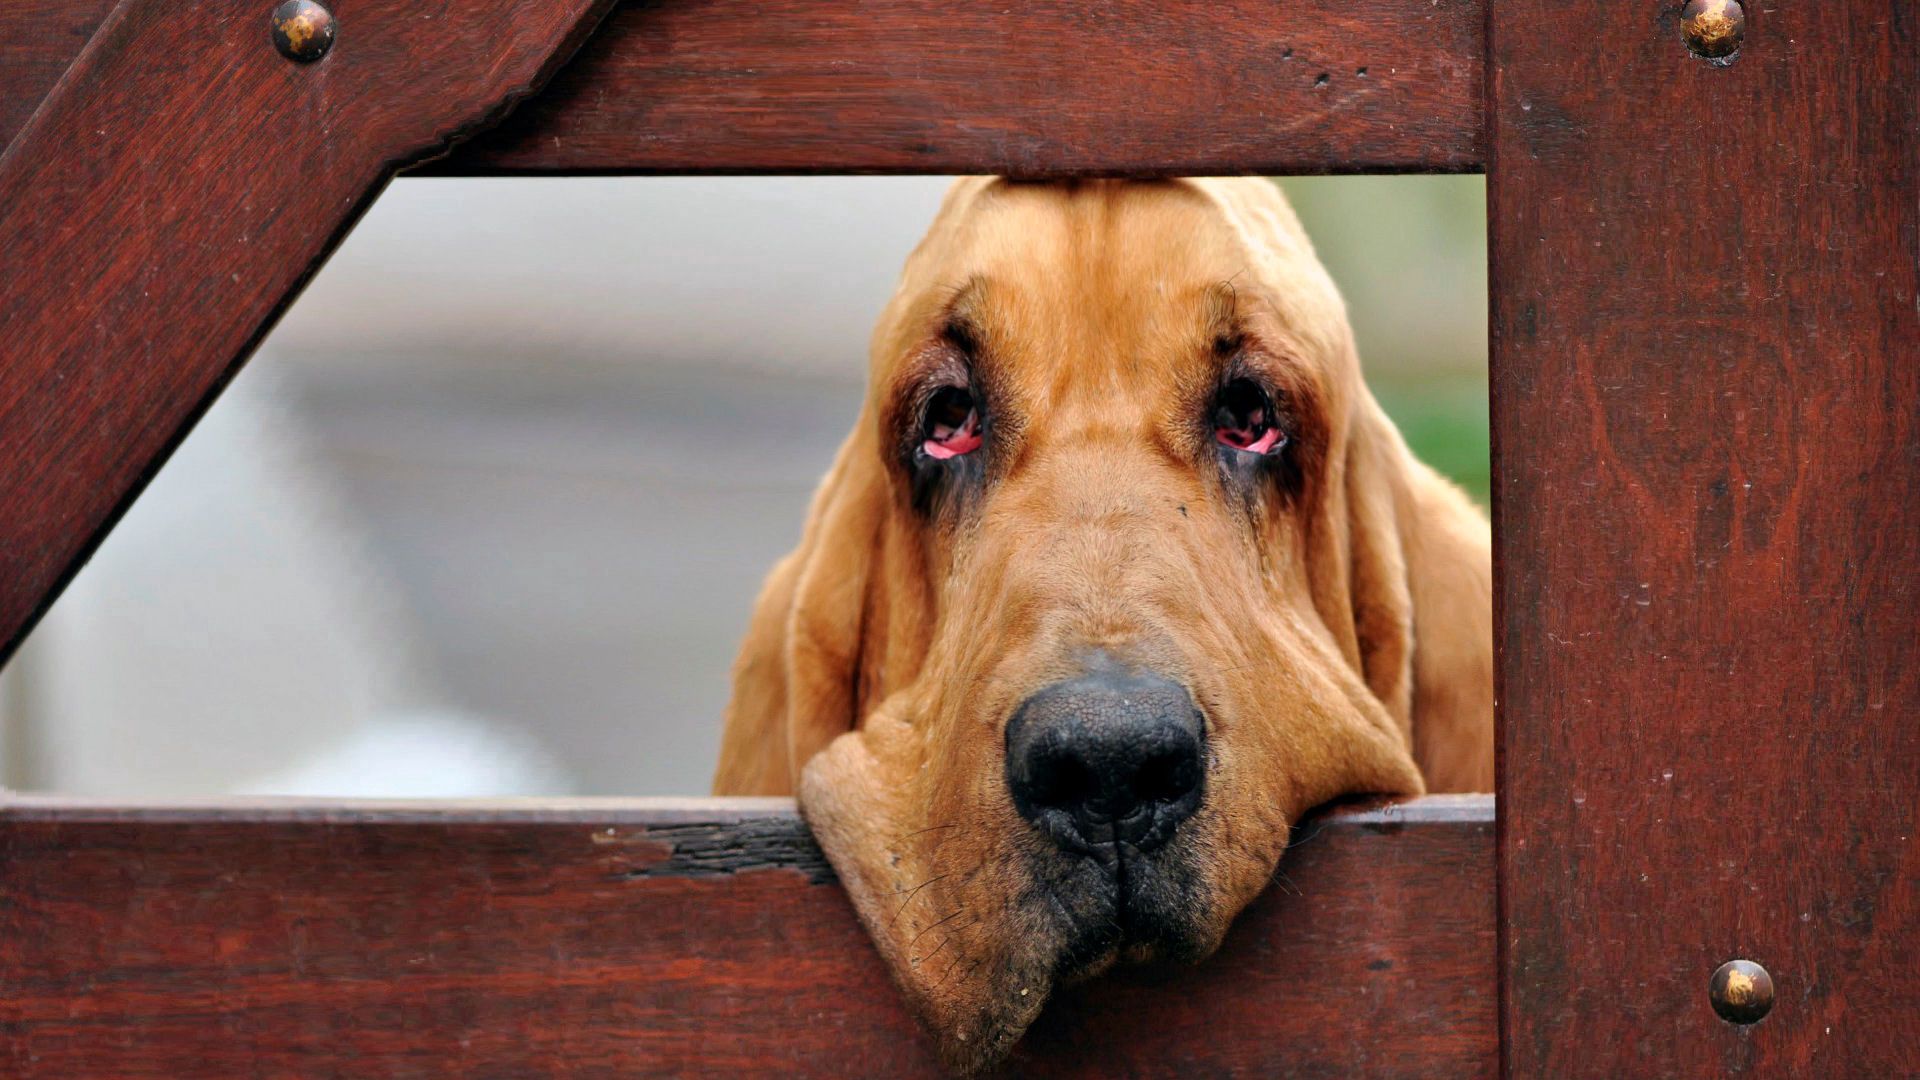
column 1704, row 231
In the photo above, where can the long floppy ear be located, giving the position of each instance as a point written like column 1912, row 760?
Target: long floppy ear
column 799, row 679
column 1400, row 561
column 1421, row 582
column 845, row 617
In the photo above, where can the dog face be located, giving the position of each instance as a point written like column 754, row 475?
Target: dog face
column 1106, row 589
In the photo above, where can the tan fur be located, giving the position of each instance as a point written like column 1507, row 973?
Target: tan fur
column 1338, row 643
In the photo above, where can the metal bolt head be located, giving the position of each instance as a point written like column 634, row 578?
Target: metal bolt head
column 1714, row 28
column 1742, row 991
column 302, row 30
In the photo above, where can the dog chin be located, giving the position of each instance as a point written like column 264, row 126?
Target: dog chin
column 1047, row 943
column 976, row 984
column 1060, row 939
column 1123, row 908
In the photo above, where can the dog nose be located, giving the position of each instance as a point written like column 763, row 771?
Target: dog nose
column 1110, row 757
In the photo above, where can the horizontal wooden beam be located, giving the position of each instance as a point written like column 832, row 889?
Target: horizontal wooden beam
column 918, row 86
column 602, row 937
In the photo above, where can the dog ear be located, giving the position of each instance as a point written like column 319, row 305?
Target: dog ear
column 1400, row 561
column 800, row 679
column 1421, row 601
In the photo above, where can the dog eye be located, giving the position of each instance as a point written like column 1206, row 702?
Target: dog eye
column 952, row 426
column 1243, row 419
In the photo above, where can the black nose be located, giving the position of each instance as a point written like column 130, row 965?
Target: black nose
column 1110, row 757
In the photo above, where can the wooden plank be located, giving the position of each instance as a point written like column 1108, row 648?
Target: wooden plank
column 1707, row 447
column 172, row 194
column 1061, row 87
column 614, row 939
column 38, row 39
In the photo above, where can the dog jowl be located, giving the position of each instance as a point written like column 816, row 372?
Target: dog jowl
column 1120, row 571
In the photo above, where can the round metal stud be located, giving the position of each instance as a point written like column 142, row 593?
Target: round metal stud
column 1714, row 28
column 302, row 30
column 1742, row 991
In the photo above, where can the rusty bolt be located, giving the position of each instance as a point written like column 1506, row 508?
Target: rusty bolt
column 1714, row 28
column 1742, row 991
column 302, row 30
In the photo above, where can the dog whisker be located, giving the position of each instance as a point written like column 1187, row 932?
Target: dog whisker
column 944, row 939
column 924, row 929
column 1303, row 841
column 915, row 891
column 928, row 829
column 950, row 969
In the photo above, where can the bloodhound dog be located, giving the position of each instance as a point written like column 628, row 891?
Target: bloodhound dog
column 1121, row 571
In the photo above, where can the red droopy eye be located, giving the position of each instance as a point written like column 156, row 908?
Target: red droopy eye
column 1243, row 418
column 953, row 424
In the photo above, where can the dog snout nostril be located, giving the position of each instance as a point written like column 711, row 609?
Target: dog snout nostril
column 1167, row 777
column 1059, row 779
column 1108, row 757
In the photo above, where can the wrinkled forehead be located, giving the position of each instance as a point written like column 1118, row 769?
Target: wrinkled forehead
column 1088, row 237
column 1120, row 269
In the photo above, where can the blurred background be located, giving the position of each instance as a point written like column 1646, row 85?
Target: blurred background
column 486, row 513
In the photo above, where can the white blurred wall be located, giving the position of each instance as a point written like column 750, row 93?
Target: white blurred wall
column 486, row 512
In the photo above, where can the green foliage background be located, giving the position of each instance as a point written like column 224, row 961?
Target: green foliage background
column 1410, row 255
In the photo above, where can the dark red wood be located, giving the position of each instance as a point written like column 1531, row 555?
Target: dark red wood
column 38, row 39
column 611, row 939
column 1707, row 453
column 1064, row 86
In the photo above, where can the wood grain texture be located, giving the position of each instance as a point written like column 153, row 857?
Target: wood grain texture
column 1047, row 88
column 600, row 940
column 38, row 39
column 1707, row 448
column 170, row 197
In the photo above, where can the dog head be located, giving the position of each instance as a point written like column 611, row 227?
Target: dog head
column 1109, row 585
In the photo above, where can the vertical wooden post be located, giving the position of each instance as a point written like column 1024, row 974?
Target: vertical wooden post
column 1707, row 490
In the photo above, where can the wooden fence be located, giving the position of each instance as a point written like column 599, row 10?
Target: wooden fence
column 1706, row 389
